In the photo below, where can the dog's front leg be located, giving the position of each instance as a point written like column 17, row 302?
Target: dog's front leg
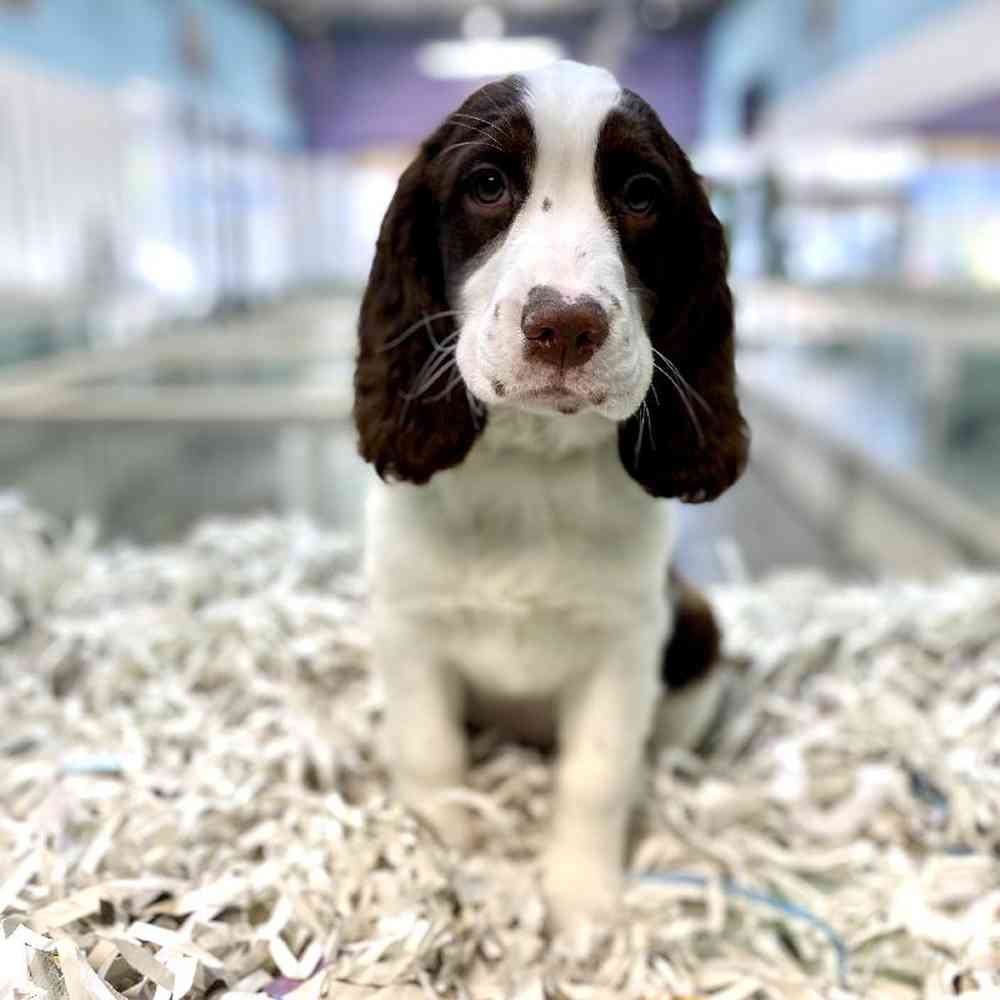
column 603, row 727
column 425, row 735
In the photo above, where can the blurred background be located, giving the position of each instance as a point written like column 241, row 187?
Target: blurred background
column 190, row 192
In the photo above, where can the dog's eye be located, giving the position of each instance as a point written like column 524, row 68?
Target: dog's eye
column 641, row 194
column 488, row 186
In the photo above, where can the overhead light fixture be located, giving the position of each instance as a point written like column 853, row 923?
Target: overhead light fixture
column 482, row 21
column 486, row 57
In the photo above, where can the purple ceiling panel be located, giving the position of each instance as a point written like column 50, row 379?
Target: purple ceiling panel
column 979, row 117
column 365, row 90
column 667, row 71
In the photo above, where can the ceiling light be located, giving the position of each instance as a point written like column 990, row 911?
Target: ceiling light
column 486, row 57
column 482, row 21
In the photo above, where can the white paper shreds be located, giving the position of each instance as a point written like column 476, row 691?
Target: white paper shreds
column 192, row 803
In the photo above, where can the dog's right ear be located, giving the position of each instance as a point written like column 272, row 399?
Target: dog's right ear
column 407, row 428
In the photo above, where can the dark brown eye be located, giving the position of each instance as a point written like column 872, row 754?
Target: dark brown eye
column 488, row 186
column 641, row 194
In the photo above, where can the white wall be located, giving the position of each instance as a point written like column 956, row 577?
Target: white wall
column 87, row 171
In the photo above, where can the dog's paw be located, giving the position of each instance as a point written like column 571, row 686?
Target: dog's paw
column 454, row 826
column 580, row 891
column 450, row 821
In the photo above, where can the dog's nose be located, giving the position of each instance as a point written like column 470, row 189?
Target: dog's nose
column 562, row 332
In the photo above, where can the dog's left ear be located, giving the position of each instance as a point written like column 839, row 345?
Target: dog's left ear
column 690, row 440
column 413, row 419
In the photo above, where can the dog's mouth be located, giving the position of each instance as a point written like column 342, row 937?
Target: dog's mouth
column 546, row 392
column 556, row 396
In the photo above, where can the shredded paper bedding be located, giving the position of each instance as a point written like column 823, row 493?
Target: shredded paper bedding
column 193, row 804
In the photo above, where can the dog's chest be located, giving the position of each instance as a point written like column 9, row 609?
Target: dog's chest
column 521, row 570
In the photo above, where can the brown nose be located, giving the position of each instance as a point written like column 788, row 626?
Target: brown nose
column 561, row 332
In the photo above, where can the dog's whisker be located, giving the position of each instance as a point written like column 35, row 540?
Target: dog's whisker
column 469, row 142
column 436, row 359
column 487, row 136
column 687, row 385
column 676, row 370
column 446, row 343
column 672, row 372
column 430, row 336
column 504, row 118
column 448, row 389
column 410, row 330
column 687, row 403
column 476, row 407
column 472, row 118
column 490, row 126
column 649, row 425
column 638, row 439
column 419, row 395
column 447, row 346
column 433, row 370
column 440, row 361
column 678, row 386
column 439, row 367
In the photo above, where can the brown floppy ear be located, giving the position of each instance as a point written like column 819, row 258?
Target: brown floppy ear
column 412, row 413
column 689, row 439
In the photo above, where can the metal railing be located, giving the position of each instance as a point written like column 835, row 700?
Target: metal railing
column 947, row 518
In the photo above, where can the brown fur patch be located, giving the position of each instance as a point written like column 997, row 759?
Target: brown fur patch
column 694, row 646
column 407, row 427
column 678, row 255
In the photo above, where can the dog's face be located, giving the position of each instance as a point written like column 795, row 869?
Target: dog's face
column 551, row 249
column 549, row 316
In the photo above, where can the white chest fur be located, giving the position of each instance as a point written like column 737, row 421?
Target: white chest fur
column 529, row 563
column 525, row 589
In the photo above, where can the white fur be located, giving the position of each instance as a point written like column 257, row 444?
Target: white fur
column 528, row 583
column 684, row 718
column 572, row 247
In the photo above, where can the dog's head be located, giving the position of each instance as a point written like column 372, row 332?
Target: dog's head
column 552, row 249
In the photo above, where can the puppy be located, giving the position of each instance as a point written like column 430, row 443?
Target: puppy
column 546, row 353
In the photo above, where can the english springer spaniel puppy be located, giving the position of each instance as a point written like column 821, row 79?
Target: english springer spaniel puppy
column 546, row 353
